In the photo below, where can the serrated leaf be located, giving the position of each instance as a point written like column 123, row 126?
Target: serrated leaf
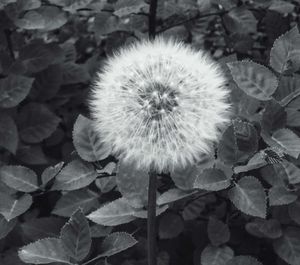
column 294, row 211
column 274, row 117
column 212, row 255
column 288, row 246
column 34, row 229
column 218, row 232
column 285, row 54
column 71, row 201
column 105, row 23
column 173, row 195
column 8, row 133
column 36, row 122
column 249, row 196
column 254, row 79
column 279, row 195
column 6, row 226
column 44, row 251
column 254, row 162
column 24, row 5
column 124, row 8
column 76, row 236
column 193, row 209
column 115, row 243
column 184, row 178
column 140, row 213
column 77, row 174
column 264, row 228
column 114, row 213
column 74, row 73
column 212, row 179
column 170, row 225
column 32, row 155
column 243, row 260
column 13, row 90
column 51, row 172
column 282, row 7
column 19, row 178
column 106, row 184
column 88, row 142
column 133, row 184
column 100, row 230
column 288, row 141
column 74, row 5
column 11, row 208
column 44, row 18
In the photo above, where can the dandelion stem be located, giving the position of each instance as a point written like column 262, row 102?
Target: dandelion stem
column 152, row 18
column 151, row 224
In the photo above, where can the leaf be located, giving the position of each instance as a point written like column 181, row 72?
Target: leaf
column 140, row 213
column 212, row 180
column 77, row 174
column 218, row 232
column 115, row 243
column 76, row 236
column 100, row 230
column 34, row 229
column 256, row 161
column 288, row 87
column 105, row 23
column 32, row 155
column 294, row 211
column 288, row 141
column 274, row 117
column 243, row 260
column 25, row 5
column 74, row 73
column 126, row 7
column 173, row 195
column 71, row 201
column 8, row 133
column 51, row 172
column 44, row 251
column 11, row 208
column 19, row 178
column 44, row 18
column 13, row 90
column 249, row 196
column 106, row 184
column 184, row 178
column 74, row 5
column 193, row 209
column 212, row 255
column 133, row 184
column 288, row 246
column 264, row 228
column 88, row 142
column 170, row 226
column 254, row 79
column 240, row 20
column 279, row 195
column 114, row 213
column 282, row 7
column 285, row 54
column 36, row 122
column 6, row 226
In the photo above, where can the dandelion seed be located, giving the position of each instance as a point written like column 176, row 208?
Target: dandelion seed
column 160, row 104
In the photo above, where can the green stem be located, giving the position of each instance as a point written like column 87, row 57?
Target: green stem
column 152, row 19
column 151, row 224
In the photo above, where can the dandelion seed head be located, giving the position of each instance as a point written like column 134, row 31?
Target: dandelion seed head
column 160, row 104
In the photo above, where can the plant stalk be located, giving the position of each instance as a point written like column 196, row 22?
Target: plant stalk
column 151, row 216
column 152, row 19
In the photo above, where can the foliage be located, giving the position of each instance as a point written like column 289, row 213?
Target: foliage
column 65, row 199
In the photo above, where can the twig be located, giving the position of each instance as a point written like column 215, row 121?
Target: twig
column 151, row 224
column 152, row 19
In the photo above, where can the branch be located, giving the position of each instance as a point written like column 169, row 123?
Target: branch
column 152, row 19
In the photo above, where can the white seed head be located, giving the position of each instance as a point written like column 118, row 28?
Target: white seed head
column 160, row 104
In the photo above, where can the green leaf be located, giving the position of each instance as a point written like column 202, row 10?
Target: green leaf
column 77, row 174
column 288, row 172
column 76, row 236
column 24, row 5
column 74, row 73
column 288, row 141
column 170, row 225
column 32, row 155
column 274, row 117
column 71, row 201
column 8, row 133
column 133, row 184
column 212, row 255
column 100, row 230
column 13, row 90
column 36, row 122
column 293, row 118
column 294, row 211
column 212, row 179
column 184, row 178
column 106, row 184
column 11, row 208
column 34, row 229
column 173, row 195
column 254, row 79
column 256, row 161
column 74, row 5
column 6, row 226
column 288, row 246
column 279, row 195
column 44, row 251
column 87, row 141
column 218, row 232
column 105, row 23
column 240, row 20
column 264, row 228
column 51, row 172
column 115, row 243
column 243, row 260
column 19, row 178
column 288, row 87
column 114, row 213
column 193, row 209
column 282, row 7
column 44, row 18
column 126, row 7
column 249, row 196
column 285, row 54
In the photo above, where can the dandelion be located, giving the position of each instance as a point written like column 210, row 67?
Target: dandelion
column 160, row 104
